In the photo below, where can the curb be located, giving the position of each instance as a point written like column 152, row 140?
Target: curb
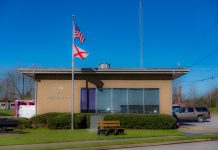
column 142, row 145
column 98, row 147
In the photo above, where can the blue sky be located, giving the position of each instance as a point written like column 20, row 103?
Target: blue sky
column 38, row 33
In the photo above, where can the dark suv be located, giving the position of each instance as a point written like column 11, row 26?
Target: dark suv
column 192, row 114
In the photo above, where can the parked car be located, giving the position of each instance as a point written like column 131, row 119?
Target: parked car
column 198, row 114
column 176, row 107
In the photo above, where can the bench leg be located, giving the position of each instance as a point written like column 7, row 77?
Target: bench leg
column 122, row 131
column 119, row 131
column 111, row 131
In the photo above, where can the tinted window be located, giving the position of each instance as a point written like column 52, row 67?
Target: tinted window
column 104, row 104
column 135, row 100
column 190, row 110
column 151, row 101
column 182, row 110
column 119, row 100
column 88, row 97
column 176, row 106
column 201, row 109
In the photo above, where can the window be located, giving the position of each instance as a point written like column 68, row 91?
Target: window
column 182, row 110
column 88, row 100
column 151, row 101
column 135, row 100
column 120, row 100
column 104, row 103
column 201, row 109
column 190, row 110
column 2, row 104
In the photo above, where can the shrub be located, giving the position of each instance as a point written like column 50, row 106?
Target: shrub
column 62, row 121
column 41, row 120
column 81, row 121
column 23, row 123
column 137, row 121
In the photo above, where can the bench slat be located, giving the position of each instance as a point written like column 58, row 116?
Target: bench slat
column 108, row 123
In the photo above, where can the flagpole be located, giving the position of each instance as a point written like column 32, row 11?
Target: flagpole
column 72, row 112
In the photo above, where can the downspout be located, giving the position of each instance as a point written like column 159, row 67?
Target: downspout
column 36, row 90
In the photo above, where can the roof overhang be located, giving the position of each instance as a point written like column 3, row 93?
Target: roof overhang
column 174, row 72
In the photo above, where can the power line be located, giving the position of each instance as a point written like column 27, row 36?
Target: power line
column 201, row 38
column 208, row 70
column 203, row 58
column 204, row 79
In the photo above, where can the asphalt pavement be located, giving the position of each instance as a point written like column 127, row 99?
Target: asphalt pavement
column 208, row 145
column 209, row 126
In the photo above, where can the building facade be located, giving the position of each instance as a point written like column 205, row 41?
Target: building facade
column 146, row 91
column 6, row 104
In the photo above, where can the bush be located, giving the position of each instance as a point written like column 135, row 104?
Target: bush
column 81, row 121
column 40, row 121
column 62, row 121
column 137, row 121
column 23, row 123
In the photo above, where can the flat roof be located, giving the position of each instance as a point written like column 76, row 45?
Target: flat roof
column 175, row 72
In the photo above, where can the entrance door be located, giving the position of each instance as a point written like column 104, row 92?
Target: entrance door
column 88, row 96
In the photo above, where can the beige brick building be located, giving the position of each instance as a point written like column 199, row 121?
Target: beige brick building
column 96, row 90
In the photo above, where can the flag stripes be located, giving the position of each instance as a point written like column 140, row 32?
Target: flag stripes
column 79, row 34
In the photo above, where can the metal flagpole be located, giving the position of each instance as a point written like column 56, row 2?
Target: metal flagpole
column 72, row 113
column 141, row 34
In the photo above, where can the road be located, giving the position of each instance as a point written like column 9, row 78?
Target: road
column 209, row 145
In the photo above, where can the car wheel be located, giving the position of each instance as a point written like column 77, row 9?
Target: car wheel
column 200, row 119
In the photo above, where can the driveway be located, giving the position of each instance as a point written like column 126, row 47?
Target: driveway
column 209, row 126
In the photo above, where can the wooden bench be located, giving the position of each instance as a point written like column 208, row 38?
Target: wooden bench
column 109, row 127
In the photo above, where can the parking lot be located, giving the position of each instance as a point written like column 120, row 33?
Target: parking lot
column 209, row 126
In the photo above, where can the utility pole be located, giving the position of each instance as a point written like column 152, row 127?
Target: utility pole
column 210, row 98
column 23, row 88
column 179, row 87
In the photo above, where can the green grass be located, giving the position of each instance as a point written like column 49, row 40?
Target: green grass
column 103, row 144
column 33, row 136
column 214, row 110
column 6, row 112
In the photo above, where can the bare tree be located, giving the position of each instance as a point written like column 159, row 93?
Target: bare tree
column 15, row 86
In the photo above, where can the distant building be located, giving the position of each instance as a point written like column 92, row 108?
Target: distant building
column 104, row 90
column 6, row 104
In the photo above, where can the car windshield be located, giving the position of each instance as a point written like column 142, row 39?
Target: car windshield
column 176, row 108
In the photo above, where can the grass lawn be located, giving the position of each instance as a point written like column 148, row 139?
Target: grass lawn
column 102, row 144
column 6, row 112
column 33, row 136
column 214, row 110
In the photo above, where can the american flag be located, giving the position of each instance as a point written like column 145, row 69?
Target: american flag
column 79, row 34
